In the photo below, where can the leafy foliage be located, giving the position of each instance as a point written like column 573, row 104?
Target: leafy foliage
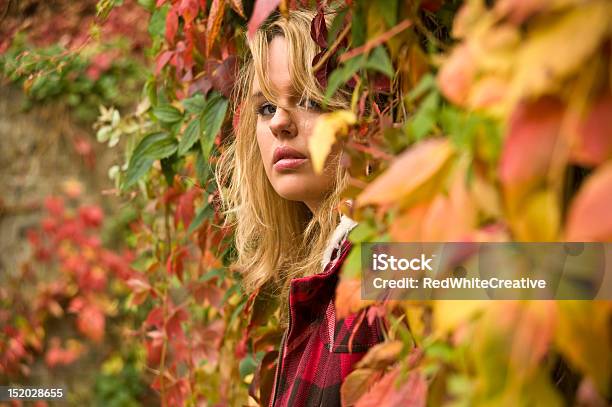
column 465, row 120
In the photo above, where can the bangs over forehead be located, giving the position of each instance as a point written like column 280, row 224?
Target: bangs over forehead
column 301, row 50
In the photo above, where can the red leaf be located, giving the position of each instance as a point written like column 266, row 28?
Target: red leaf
column 55, row 206
column 594, row 142
column 412, row 393
column 154, row 348
column 261, row 11
column 223, row 77
column 90, row 322
column 58, row 356
column 171, row 25
column 91, row 215
column 318, row 29
column 188, row 9
column 155, row 317
column 590, row 218
column 185, row 208
column 173, row 325
column 533, row 134
column 162, row 60
column 174, row 264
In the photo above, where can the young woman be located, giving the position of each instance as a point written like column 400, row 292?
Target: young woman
column 290, row 237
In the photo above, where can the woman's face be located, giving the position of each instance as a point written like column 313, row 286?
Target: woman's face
column 283, row 131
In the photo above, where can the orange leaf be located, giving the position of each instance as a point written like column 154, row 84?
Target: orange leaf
column 382, row 355
column 237, row 7
column 356, row 384
column 457, row 75
column 414, row 171
column 90, row 322
column 590, row 218
column 348, row 297
column 386, row 393
column 213, row 23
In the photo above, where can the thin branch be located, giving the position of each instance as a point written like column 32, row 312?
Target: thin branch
column 374, row 42
column 332, row 49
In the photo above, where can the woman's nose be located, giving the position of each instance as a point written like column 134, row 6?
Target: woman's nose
column 282, row 124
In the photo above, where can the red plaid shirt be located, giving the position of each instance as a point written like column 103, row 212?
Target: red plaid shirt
column 314, row 353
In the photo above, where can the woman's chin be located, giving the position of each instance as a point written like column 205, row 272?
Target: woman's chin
column 297, row 188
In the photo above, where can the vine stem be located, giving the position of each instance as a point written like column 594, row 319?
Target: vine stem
column 374, row 42
column 163, row 352
column 332, row 49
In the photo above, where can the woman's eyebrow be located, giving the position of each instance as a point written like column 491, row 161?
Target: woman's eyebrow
column 257, row 95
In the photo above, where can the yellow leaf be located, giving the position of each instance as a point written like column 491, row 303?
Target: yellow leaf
column 327, row 128
column 450, row 314
column 558, row 46
column 538, row 219
column 382, row 355
column 583, row 336
column 415, row 170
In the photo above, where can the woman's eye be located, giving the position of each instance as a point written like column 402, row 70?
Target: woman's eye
column 266, row 109
column 310, row 104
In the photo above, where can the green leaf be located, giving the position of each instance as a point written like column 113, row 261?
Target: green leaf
column 190, row 135
column 249, row 364
column 203, row 213
column 425, row 85
column 379, row 61
column 201, row 168
column 157, row 23
column 167, row 114
column 169, row 168
column 424, row 120
column 152, row 147
column 195, row 104
column 336, row 26
column 388, row 9
column 362, row 232
column 343, row 74
column 358, row 20
column 211, row 121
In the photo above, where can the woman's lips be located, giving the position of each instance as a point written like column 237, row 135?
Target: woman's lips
column 287, row 158
column 288, row 163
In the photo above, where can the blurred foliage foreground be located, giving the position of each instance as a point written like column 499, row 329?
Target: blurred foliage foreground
column 499, row 111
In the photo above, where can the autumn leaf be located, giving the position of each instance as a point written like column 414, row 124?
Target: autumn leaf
column 348, row 297
column 237, row 7
column 530, row 146
column 91, row 321
column 589, row 217
column 356, row 384
column 585, row 341
column 457, row 75
column 593, row 139
column 171, row 26
column 261, row 11
column 557, row 47
column 538, row 217
column 326, row 130
column 410, row 175
column 449, row 315
column 213, row 26
column 382, row 355
column 387, row 392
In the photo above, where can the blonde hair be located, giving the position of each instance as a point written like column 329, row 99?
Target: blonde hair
column 276, row 239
